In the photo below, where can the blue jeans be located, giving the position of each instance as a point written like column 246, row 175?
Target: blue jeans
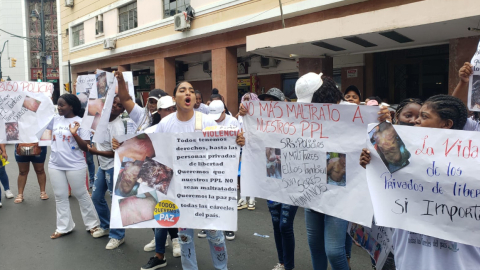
column 161, row 238
column 104, row 182
column 282, row 220
column 326, row 238
column 4, row 180
column 91, row 169
column 348, row 246
column 218, row 249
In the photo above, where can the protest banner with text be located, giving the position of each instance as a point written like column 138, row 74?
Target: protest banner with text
column 186, row 180
column 424, row 180
column 307, row 155
column 26, row 109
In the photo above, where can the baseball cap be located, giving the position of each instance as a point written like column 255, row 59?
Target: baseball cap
column 354, row 89
column 274, row 93
column 156, row 94
column 165, row 102
column 307, row 85
column 216, row 108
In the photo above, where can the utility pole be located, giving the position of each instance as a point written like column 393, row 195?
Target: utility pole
column 44, row 43
column 281, row 12
column 1, row 58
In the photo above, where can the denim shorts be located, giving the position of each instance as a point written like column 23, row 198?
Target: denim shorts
column 34, row 159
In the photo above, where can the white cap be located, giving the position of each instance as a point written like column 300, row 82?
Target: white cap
column 216, row 108
column 307, row 85
column 165, row 102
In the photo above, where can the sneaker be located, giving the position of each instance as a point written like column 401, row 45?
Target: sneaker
column 242, row 204
column 0, row 205
column 166, row 242
column 100, row 233
column 154, row 263
column 251, row 204
column 229, row 235
column 8, row 194
column 114, row 243
column 150, row 246
column 202, row 234
column 279, row 267
column 176, row 248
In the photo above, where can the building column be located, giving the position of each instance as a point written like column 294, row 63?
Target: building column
column 317, row 65
column 369, row 76
column 224, row 76
column 461, row 51
column 123, row 68
column 165, row 74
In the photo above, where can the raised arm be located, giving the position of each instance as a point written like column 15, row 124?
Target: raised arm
column 461, row 91
column 123, row 94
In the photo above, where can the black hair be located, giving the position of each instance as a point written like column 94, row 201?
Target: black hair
column 215, row 94
column 377, row 98
column 139, row 102
column 449, row 107
column 156, row 118
column 200, row 93
column 73, row 101
column 404, row 104
column 328, row 92
column 176, row 87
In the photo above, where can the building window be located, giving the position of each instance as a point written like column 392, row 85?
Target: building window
column 78, row 35
column 127, row 17
column 172, row 7
column 99, row 25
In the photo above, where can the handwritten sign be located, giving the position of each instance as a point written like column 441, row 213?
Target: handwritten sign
column 437, row 192
column 307, row 155
column 26, row 109
column 474, row 83
column 183, row 180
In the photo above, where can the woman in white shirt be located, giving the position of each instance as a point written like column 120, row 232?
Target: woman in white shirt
column 67, row 165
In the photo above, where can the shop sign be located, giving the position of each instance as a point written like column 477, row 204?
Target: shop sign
column 243, row 82
column 352, row 73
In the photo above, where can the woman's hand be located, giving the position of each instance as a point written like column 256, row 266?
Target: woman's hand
column 365, row 158
column 242, row 111
column 384, row 114
column 92, row 149
column 240, row 139
column 119, row 76
column 5, row 156
column 75, row 128
column 115, row 144
column 465, row 72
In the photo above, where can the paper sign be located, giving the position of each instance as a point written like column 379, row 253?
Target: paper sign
column 433, row 189
column 26, row 109
column 474, row 83
column 86, row 85
column 308, row 155
column 186, row 180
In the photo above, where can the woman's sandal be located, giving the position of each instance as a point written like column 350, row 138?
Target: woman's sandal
column 56, row 234
column 19, row 198
column 43, row 195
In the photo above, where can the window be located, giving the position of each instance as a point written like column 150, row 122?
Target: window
column 99, row 25
column 172, row 7
column 128, row 17
column 78, row 35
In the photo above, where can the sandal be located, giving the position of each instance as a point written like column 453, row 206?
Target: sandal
column 43, row 195
column 56, row 234
column 19, row 198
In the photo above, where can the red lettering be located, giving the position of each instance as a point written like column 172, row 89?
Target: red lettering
column 359, row 113
column 338, row 113
column 447, row 150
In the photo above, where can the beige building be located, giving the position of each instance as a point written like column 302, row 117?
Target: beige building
column 390, row 48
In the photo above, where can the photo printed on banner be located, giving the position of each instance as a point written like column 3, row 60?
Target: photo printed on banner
column 95, row 106
column 156, row 175
column 102, row 87
column 137, row 148
column 139, row 208
column 273, row 158
column 11, row 129
column 475, row 95
column 127, row 183
column 31, row 104
column 336, row 169
column 389, row 146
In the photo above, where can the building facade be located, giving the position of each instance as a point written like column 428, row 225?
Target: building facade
column 392, row 49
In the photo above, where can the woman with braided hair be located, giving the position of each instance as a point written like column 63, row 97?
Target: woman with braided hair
column 407, row 112
column 447, row 112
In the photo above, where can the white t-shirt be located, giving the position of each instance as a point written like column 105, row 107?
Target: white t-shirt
column 203, row 109
column 115, row 128
column 229, row 121
column 140, row 117
column 171, row 124
column 471, row 125
column 151, row 129
column 66, row 154
column 421, row 252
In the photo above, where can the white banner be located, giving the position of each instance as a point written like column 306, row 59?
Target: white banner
column 308, row 155
column 86, row 87
column 424, row 180
column 26, row 109
column 474, row 83
column 186, row 180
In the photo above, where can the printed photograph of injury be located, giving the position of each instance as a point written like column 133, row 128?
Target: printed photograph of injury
column 12, row 132
column 137, row 148
column 156, row 175
column 365, row 240
column 389, row 146
column 47, row 135
column 95, row 106
column 83, row 97
column 31, row 104
column 139, row 208
column 274, row 162
column 475, row 95
column 127, row 182
column 102, row 85
column 96, row 120
column 336, row 169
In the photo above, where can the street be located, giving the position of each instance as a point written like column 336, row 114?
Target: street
column 26, row 228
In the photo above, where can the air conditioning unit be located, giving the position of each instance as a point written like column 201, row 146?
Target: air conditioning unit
column 69, row 3
column 181, row 22
column 109, row 43
column 266, row 62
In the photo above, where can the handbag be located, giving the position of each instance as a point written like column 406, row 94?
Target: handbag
column 28, row 149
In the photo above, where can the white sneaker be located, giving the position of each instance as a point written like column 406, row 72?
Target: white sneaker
column 251, row 204
column 150, row 246
column 279, row 267
column 166, row 242
column 242, row 204
column 176, row 248
column 0, row 205
column 114, row 243
column 100, row 233
column 8, row 194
